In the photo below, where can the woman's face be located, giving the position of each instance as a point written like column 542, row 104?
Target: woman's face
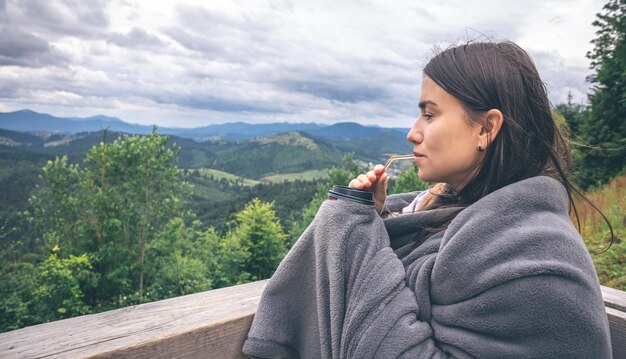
column 445, row 141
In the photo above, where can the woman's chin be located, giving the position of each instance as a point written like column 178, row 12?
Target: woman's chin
column 423, row 176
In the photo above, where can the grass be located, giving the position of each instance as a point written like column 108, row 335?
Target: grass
column 217, row 174
column 211, row 193
column 303, row 176
column 611, row 200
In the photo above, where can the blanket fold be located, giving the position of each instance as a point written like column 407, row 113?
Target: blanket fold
column 510, row 277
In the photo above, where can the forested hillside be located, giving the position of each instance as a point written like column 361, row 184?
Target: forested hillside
column 119, row 219
column 120, row 227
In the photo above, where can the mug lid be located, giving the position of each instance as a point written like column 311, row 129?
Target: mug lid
column 352, row 194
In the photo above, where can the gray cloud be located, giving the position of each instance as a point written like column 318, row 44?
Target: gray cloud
column 209, row 46
column 321, row 61
column 136, row 38
column 8, row 89
column 219, row 104
column 337, row 90
column 61, row 17
column 211, row 22
column 561, row 78
column 220, row 36
column 22, row 49
column 277, row 66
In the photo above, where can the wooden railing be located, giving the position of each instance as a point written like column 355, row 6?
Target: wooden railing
column 211, row 324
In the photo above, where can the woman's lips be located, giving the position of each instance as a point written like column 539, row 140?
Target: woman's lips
column 418, row 157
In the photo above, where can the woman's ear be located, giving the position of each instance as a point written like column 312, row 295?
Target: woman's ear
column 492, row 123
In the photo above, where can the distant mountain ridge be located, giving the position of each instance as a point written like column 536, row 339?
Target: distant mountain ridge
column 31, row 121
column 216, row 146
column 350, row 130
column 289, row 152
column 238, row 131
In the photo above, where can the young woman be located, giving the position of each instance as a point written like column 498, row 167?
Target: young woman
column 486, row 264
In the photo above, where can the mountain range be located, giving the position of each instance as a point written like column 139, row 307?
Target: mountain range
column 31, row 121
column 248, row 150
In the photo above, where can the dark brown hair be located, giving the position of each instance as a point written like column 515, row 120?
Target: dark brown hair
column 501, row 75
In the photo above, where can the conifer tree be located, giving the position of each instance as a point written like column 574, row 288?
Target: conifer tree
column 605, row 129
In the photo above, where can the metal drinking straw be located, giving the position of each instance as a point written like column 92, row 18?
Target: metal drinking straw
column 397, row 157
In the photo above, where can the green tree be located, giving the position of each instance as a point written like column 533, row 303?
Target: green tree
column 605, row 130
column 111, row 207
column 261, row 235
column 53, row 289
column 55, row 205
column 575, row 115
column 408, row 181
column 182, row 257
column 336, row 176
column 232, row 257
column 60, row 286
column 137, row 188
column 16, row 292
column 189, row 259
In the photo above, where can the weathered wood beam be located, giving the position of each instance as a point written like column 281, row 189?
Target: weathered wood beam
column 211, row 324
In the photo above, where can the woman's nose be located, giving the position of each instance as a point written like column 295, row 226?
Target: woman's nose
column 415, row 135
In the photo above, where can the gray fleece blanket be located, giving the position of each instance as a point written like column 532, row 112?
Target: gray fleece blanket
column 509, row 278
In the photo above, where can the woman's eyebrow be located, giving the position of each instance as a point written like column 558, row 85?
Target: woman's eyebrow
column 422, row 104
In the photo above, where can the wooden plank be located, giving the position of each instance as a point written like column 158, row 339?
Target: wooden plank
column 222, row 340
column 614, row 298
column 617, row 323
column 211, row 324
column 208, row 324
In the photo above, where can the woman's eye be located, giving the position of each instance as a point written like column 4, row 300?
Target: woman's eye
column 428, row 116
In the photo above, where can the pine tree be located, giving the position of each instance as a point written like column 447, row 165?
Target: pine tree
column 261, row 234
column 605, row 129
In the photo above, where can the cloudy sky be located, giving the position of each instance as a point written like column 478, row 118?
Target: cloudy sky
column 194, row 63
